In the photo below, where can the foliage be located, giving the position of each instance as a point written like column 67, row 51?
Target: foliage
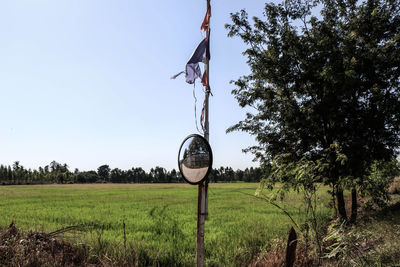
column 381, row 175
column 60, row 173
column 323, row 73
column 304, row 173
column 104, row 172
column 303, row 176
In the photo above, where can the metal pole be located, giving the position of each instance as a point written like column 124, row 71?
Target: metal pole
column 202, row 209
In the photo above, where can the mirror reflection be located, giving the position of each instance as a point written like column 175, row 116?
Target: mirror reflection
column 195, row 159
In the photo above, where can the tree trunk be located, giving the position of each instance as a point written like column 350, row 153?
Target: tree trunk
column 353, row 205
column 341, row 204
column 333, row 194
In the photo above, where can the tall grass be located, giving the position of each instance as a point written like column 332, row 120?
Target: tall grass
column 156, row 224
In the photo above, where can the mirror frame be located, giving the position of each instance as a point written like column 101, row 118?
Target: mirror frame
column 210, row 160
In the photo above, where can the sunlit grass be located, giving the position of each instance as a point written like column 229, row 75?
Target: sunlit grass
column 160, row 219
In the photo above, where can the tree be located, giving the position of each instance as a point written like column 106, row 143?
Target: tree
column 10, row 175
column 3, row 174
column 55, row 166
column 239, row 174
column 323, row 86
column 229, row 174
column 104, row 172
column 116, row 175
column 172, row 176
column 87, row 177
column 17, row 172
column 139, row 175
column 16, row 165
column 158, row 174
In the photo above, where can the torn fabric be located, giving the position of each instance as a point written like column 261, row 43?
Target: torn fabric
column 201, row 53
column 206, row 22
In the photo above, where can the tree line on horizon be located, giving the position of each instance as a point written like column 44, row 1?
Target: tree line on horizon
column 59, row 173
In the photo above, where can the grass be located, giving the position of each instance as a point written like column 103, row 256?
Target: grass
column 387, row 227
column 373, row 241
column 159, row 219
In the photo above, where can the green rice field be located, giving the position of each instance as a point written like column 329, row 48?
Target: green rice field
column 159, row 219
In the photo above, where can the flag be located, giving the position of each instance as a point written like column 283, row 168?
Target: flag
column 176, row 75
column 202, row 117
column 201, row 53
column 206, row 22
column 204, row 80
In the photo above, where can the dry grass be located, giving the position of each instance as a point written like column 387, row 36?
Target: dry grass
column 373, row 241
column 276, row 257
column 395, row 186
column 38, row 249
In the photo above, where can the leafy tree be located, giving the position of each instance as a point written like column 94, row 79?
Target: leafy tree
column 3, row 174
column 9, row 174
column 172, row 176
column 239, row 174
column 16, row 165
column 104, row 172
column 87, row 177
column 215, row 175
column 116, row 175
column 58, row 172
column 222, row 176
column 158, row 174
column 229, row 174
column 55, row 166
column 139, row 175
column 324, row 82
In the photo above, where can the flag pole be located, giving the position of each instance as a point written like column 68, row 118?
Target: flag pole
column 202, row 209
column 206, row 106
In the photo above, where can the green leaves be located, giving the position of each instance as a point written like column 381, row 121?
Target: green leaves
column 334, row 80
column 376, row 184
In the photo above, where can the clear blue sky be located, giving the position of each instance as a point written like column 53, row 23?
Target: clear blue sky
column 88, row 82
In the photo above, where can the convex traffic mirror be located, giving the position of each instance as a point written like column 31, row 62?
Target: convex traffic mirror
column 195, row 159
